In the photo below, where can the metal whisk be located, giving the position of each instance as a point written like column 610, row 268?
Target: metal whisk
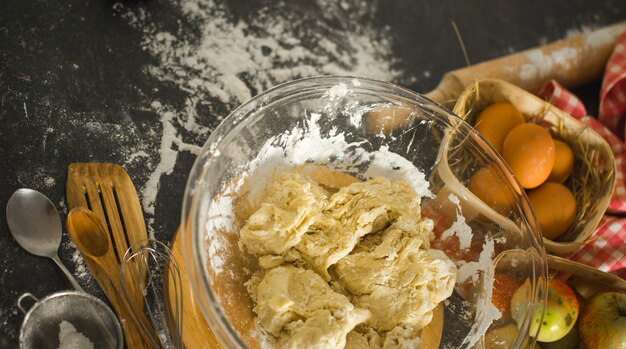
column 161, row 290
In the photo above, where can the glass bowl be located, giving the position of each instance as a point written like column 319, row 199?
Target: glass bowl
column 362, row 128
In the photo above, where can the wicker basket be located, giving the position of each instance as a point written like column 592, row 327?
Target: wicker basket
column 586, row 280
column 593, row 178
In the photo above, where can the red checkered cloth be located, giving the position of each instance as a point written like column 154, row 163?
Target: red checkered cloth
column 613, row 93
column 606, row 247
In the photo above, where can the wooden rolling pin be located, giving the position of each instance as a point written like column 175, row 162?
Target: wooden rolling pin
column 572, row 62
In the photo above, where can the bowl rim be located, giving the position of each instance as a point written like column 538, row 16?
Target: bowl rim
column 191, row 243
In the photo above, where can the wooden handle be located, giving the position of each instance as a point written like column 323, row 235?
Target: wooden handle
column 572, row 62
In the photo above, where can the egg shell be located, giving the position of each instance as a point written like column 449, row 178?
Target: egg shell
column 491, row 189
column 388, row 118
column 496, row 121
column 563, row 162
column 555, row 208
column 529, row 150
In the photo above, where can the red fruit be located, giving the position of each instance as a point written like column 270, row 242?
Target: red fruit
column 504, row 286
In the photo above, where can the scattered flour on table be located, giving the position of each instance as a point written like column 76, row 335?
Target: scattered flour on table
column 214, row 59
column 70, row 338
column 80, row 270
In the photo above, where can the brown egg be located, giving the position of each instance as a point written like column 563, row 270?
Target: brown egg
column 491, row 189
column 555, row 208
column 388, row 118
column 563, row 162
column 529, row 151
column 496, row 121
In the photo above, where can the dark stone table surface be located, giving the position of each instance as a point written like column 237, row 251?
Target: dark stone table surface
column 143, row 84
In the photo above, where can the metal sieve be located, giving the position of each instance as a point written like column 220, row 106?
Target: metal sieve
column 88, row 314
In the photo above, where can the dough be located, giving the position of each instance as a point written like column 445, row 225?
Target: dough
column 397, row 280
column 369, row 241
column 354, row 211
column 300, row 309
column 363, row 338
column 281, row 221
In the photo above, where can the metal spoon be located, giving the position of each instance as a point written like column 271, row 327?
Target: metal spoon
column 36, row 225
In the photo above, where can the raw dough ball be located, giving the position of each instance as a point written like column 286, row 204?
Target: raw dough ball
column 397, row 280
column 301, row 310
column 281, row 221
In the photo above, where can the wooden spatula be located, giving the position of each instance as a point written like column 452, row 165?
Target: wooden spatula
column 106, row 189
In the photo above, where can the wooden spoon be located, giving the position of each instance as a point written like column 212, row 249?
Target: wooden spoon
column 92, row 240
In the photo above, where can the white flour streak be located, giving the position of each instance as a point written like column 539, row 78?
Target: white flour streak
column 486, row 312
column 599, row 38
column 166, row 163
column 79, row 265
column 395, row 167
column 136, row 155
column 459, row 227
column 540, row 64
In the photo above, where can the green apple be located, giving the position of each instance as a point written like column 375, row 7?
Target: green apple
column 603, row 323
column 570, row 341
column 572, row 338
column 561, row 310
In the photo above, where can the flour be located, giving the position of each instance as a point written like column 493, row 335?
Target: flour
column 600, row 38
column 304, row 145
column 481, row 274
column 540, row 64
column 486, row 312
column 80, row 266
column 393, row 166
column 49, row 182
column 459, row 227
column 70, row 338
column 214, row 59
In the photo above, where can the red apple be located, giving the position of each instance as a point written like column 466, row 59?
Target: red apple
column 560, row 315
column 603, row 323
